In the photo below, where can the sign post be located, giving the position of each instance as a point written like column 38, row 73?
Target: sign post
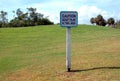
column 68, row 49
column 68, row 19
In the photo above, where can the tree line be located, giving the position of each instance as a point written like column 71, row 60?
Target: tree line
column 24, row 19
column 99, row 20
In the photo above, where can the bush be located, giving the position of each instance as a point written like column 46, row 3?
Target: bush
column 46, row 21
column 117, row 24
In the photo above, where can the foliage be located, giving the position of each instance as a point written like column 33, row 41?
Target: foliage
column 46, row 21
column 117, row 24
column 111, row 21
column 3, row 19
column 92, row 20
column 22, row 19
column 99, row 20
column 0, row 24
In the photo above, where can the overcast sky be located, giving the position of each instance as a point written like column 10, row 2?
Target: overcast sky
column 86, row 8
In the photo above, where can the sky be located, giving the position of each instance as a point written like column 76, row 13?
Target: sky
column 52, row 8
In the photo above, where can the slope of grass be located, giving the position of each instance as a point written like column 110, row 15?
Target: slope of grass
column 38, row 54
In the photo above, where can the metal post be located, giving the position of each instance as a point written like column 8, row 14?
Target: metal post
column 68, row 49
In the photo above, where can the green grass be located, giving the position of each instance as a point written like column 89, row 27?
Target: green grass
column 38, row 54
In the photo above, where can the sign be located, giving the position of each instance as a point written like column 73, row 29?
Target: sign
column 68, row 18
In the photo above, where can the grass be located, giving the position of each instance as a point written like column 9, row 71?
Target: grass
column 38, row 54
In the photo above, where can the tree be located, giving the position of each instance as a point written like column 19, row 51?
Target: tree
column 117, row 24
column 0, row 24
column 39, row 18
column 3, row 19
column 111, row 21
column 13, row 13
column 35, row 18
column 99, row 20
column 19, row 14
column 32, row 16
column 92, row 20
column 14, row 22
column 21, row 19
column 46, row 21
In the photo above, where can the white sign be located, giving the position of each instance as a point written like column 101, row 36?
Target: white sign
column 68, row 18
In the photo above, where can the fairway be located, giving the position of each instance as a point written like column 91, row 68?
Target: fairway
column 39, row 54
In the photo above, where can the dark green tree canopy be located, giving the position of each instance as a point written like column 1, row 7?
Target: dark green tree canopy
column 111, row 21
column 92, row 20
column 3, row 19
column 22, row 19
column 99, row 20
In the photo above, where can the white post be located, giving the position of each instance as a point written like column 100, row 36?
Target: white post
column 68, row 49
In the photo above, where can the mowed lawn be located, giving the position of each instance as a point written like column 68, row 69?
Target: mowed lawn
column 39, row 54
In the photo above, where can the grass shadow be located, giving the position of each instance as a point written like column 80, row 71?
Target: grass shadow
column 96, row 68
